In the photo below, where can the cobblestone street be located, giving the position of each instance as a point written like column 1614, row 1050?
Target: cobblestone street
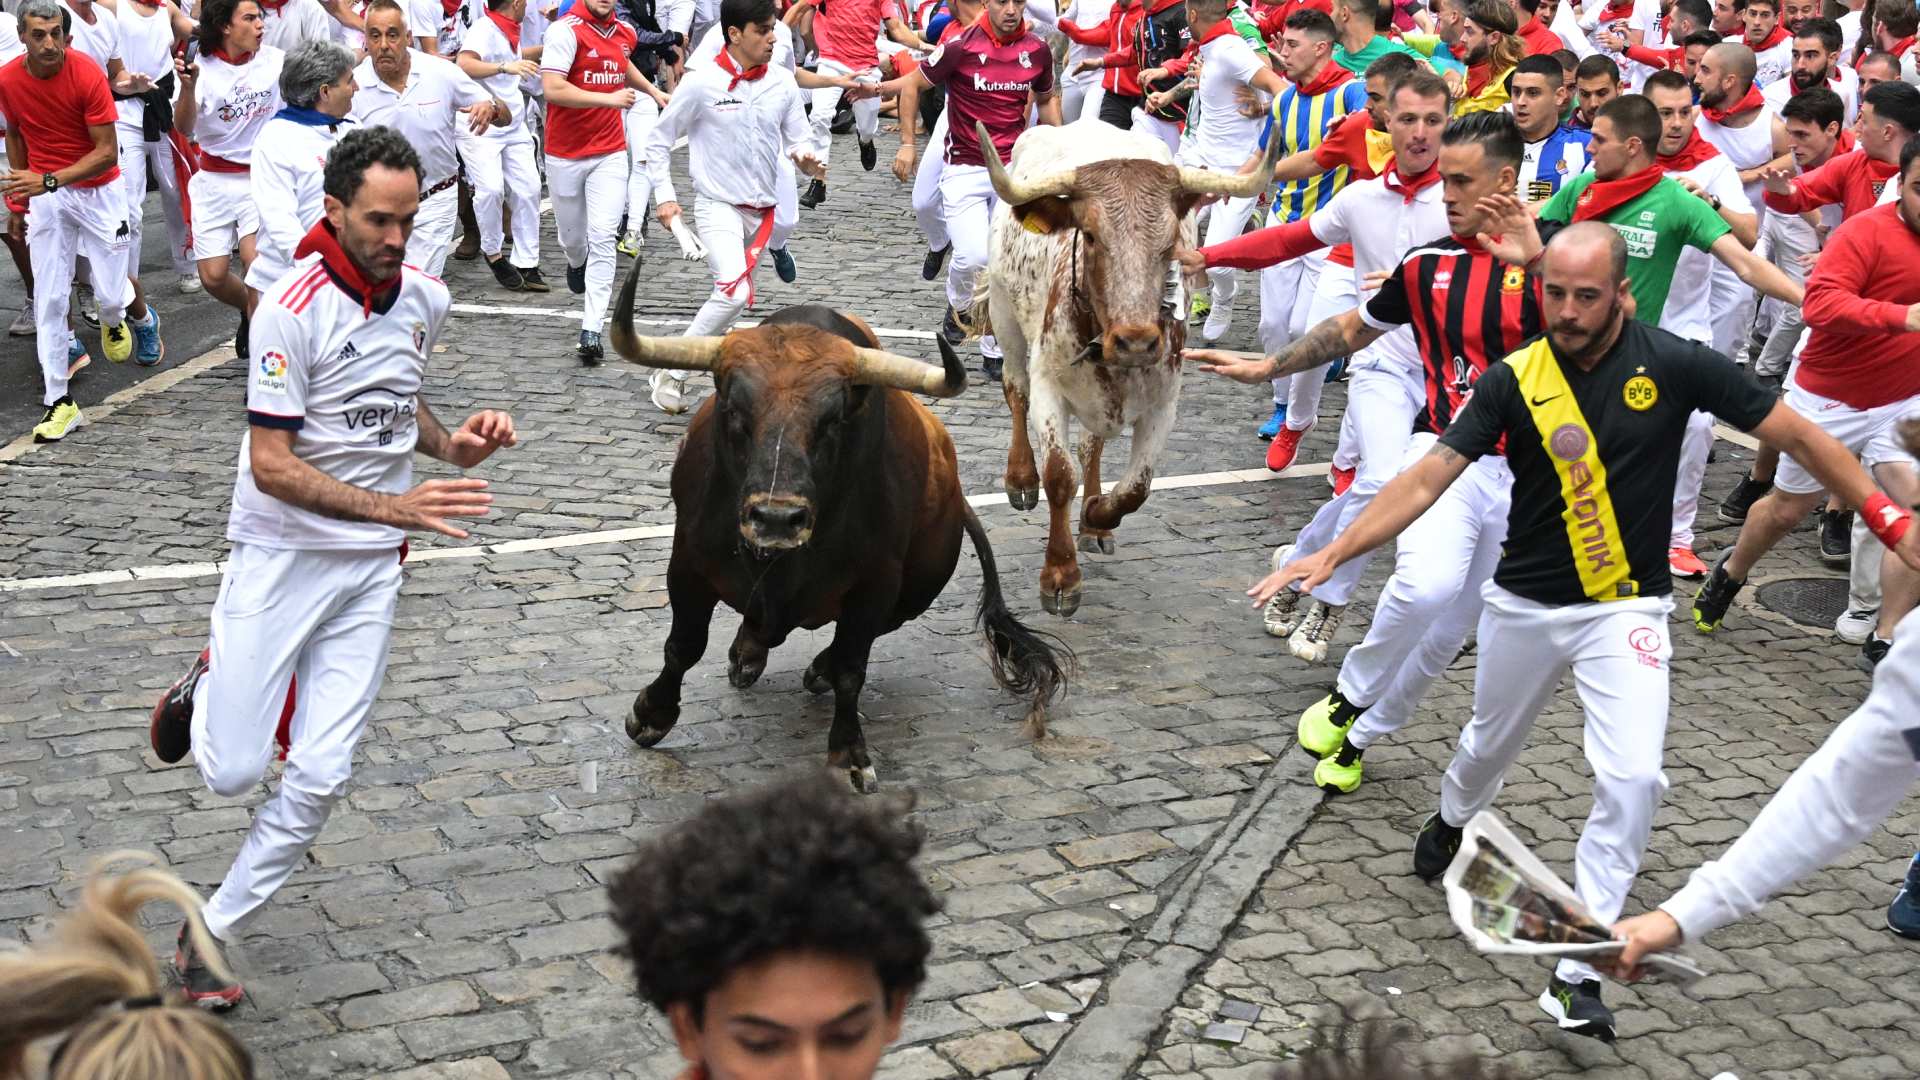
column 1109, row 890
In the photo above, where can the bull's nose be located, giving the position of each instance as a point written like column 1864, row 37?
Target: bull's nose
column 777, row 518
column 1135, row 341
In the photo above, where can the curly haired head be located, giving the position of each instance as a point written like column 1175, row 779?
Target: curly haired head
column 798, row 865
column 1374, row 1054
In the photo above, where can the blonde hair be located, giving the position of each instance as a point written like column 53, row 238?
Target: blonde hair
column 97, row 983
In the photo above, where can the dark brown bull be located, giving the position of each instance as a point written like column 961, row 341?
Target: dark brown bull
column 813, row 489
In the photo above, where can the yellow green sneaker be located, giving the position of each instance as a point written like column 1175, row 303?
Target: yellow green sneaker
column 117, row 341
column 1324, row 726
column 1339, row 773
column 61, row 418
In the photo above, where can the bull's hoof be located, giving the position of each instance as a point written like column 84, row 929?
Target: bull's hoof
column 742, row 674
column 865, row 781
column 1097, row 541
column 648, row 723
column 1063, row 602
column 815, row 682
column 1023, row 498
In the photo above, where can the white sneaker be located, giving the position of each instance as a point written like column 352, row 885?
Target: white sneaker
column 189, row 284
column 669, row 391
column 1855, row 625
column 1314, row 636
column 1219, row 321
column 23, row 324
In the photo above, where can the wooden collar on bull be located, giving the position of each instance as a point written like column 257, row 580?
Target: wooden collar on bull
column 1086, row 325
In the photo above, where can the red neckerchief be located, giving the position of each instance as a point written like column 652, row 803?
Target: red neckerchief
column 1689, row 156
column 1478, row 76
column 1223, row 28
column 1899, row 47
column 1666, row 27
column 321, row 239
column 1602, row 196
column 1752, row 101
column 449, row 7
column 508, row 27
column 1616, row 12
column 1844, row 143
column 732, row 67
column 227, row 57
column 1880, row 171
column 273, row 5
column 1410, row 186
column 1330, row 76
column 1471, row 243
column 1739, row 35
column 1778, row 35
column 1018, row 32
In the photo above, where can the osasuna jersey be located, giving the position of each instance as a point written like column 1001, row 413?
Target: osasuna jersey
column 1546, row 164
column 593, row 57
column 234, row 102
column 344, row 376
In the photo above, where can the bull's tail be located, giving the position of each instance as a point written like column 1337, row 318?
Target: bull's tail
column 1026, row 661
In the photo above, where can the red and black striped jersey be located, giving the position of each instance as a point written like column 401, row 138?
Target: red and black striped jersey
column 1473, row 310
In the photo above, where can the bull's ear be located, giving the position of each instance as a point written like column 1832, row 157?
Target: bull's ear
column 1184, row 202
column 1045, row 215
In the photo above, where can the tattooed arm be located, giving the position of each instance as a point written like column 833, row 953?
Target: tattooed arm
column 1342, row 335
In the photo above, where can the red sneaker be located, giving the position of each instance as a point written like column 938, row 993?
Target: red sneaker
column 170, row 727
column 201, row 984
column 1342, row 479
column 1684, row 563
column 1284, row 445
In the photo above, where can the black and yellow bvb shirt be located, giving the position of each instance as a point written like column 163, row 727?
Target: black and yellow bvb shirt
column 1594, row 456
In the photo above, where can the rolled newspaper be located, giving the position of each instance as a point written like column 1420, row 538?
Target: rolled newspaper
column 690, row 246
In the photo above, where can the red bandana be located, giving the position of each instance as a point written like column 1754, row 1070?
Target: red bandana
column 1752, row 101
column 1603, row 196
column 1689, row 156
column 1881, row 171
column 224, row 55
column 1899, row 47
column 321, row 239
column 1410, row 186
column 1330, row 76
column 1018, row 32
column 273, row 5
column 1478, row 76
column 732, row 67
column 508, row 27
column 1844, row 143
column 1778, row 35
column 449, row 8
column 1616, row 12
column 1223, row 28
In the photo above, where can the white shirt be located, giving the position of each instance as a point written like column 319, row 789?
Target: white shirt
column 347, row 382
column 146, row 48
column 485, row 41
column 426, row 111
column 99, row 39
column 1772, row 65
column 1085, row 13
column 1748, row 147
column 10, row 47
column 297, row 22
column 709, row 47
column 737, row 140
column 1780, row 91
column 1223, row 138
column 1645, row 18
column 232, row 104
column 288, row 168
column 1687, row 311
column 1849, row 37
column 1383, row 226
column 423, row 17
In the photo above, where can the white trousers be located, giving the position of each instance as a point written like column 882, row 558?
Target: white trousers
column 1788, row 239
column 1074, row 95
column 866, row 112
column 1433, row 598
column 966, row 204
column 1165, row 130
column 1382, row 401
column 1226, row 220
column 725, row 231
column 89, row 222
column 1618, row 653
column 1286, row 292
column 135, row 155
column 927, row 210
column 324, row 616
column 501, row 170
column 432, row 239
column 639, row 119
column 1732, row 302
column 786, row 204
column 588, row 195
column 1694, row 448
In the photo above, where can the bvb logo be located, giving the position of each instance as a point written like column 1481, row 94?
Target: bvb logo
column 1640, row 393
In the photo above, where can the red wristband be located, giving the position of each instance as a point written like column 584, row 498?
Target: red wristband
column 1887, row 521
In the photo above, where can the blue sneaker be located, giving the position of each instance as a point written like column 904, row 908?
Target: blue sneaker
column 783, row 265
column 77, row 357
column 1903, row 915
column 1336, row 370
column 1272, row 427
column 148, row 349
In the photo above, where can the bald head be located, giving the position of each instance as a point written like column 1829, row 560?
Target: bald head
column 1587, row 245
column 1730, row 58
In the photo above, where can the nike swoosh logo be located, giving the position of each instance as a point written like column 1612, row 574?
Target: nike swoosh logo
column 1542, row 401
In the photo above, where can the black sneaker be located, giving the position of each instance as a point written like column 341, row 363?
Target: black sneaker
column 170, row 728
column 1735, row 506
column 1836, row 537
column 201, row 985
column 842, row 121
column 507, row 274
column 1710, row 604
column 991, row 366
column 930, row 266
column 531, row 281
column 1874, row 651
column 815, row 194
column 577, row 279
column 590, row 351
column 1577, row 1007
column 1434, row 848
column 241, row 347
column 951, row 329
column 869, row 155
column 783, row 265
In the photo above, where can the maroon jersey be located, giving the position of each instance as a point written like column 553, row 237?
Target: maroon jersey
column 989, row 81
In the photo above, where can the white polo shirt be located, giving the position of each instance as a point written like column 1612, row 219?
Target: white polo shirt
column 425, row 112
column 294, row 23
column 1223, row 138
column 289, row 166
column 346, row 380
column 1382, row 225
column 737, row 139
column 232, row 104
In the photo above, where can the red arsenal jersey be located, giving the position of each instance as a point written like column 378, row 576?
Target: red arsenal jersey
column 593, row 57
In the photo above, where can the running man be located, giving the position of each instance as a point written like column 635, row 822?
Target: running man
column 1555, row 152
column 63, row 162
column 321, row 507
column 499, row 161
column 148, row 35
column 1591, row 415
column 846, row 35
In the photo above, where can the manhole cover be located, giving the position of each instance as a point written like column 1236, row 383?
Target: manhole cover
column 1813, row 602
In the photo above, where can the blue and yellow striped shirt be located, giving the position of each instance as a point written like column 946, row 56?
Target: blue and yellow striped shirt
column 1303, row 122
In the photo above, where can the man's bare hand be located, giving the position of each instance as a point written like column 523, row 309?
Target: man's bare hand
column 903, row 163
column 1309, row 571
column 1646, row 934
column 520, row 68
column 1510, row 234
column 1248, row 368
column 428, row 506
column 1192, row 261
column 482, row 434
column 666, row 212
column 622, row 98
column 23, row 184
column 479, row 116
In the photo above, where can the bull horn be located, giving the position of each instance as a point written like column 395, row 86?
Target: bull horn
column 1232, row 185
column 683, row 353
column 878, row 367
column 1019, row 192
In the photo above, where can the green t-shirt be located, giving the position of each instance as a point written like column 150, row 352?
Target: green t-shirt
column 1248, row 30
column 1380, row 46
column 1664, row 219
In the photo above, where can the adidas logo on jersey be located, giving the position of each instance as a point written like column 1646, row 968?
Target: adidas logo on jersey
column 347, row 352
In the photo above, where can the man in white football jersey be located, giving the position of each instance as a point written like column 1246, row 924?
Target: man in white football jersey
column 499, row 161
column 321, row 507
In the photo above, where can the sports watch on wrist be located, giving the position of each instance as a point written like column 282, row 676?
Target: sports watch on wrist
column 49, row 182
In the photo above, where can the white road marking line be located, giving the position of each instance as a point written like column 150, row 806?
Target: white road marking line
column 185, row 571
column 575, row 314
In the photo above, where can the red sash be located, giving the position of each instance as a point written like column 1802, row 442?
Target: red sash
column 754, row 247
